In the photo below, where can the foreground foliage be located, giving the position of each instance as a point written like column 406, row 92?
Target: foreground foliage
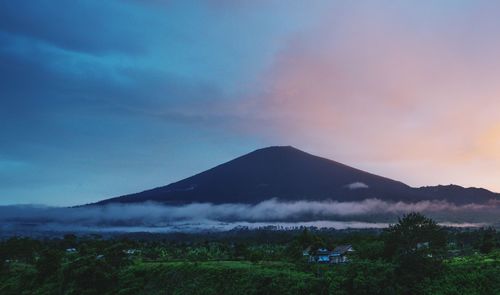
column 415, row 256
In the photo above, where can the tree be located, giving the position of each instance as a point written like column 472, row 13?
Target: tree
column 369, row 249
column 240, row 250
column 293, row 251
column 48, row 263
column 88, row 275
column 415, row 234
column 372, row 277
column 115, row 255
column 3, row 257
column 488, row 242
column 69, row 241
column 305, row 239
column 417, row 245
column 21, row 249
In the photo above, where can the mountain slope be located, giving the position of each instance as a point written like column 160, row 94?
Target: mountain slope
column 287, row 173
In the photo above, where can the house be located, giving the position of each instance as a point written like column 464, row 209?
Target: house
column 306, row 251
column 341, row 254
column 424, row 245
column 131, row 251
column 71, row 250
column 322, row 255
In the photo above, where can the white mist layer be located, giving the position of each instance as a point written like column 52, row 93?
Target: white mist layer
column 370, row 213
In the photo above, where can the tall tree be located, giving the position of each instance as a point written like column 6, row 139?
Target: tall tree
column 417, row 245
column 488, row 241
column 48, row 263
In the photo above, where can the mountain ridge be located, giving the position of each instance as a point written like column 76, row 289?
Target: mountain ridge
column 289, row 174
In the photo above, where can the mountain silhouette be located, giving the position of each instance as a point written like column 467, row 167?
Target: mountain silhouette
column 289, row 174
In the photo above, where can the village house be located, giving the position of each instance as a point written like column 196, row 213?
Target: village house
column 71, row 250
column 339, row 254
column 131, row 251
column 322, row 255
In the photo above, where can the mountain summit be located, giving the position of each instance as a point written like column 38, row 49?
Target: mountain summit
column 289, row 174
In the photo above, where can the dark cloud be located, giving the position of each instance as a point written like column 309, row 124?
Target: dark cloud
column 71, row 119
column 95, row 27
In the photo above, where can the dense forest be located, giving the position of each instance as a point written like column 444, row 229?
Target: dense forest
column 266, row 261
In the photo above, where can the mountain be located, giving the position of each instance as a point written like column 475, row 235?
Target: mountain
column 286, row 173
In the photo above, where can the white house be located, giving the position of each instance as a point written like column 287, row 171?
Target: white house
column 341, row 254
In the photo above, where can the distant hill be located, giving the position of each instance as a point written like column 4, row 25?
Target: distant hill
column 286, row 173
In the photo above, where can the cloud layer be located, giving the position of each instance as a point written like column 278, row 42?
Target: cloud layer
column 157, row 217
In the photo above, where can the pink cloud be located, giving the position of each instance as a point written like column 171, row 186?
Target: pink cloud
column 375, row 89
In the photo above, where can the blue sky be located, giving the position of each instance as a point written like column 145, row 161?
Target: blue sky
column 103, row 98
column 97, row 95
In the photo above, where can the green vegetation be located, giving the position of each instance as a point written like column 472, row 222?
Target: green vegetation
column 222, row 277
column 414, row 256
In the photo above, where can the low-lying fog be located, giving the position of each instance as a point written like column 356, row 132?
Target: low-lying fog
column 153, row 217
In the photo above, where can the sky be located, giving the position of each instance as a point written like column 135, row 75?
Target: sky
column 104, row 98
